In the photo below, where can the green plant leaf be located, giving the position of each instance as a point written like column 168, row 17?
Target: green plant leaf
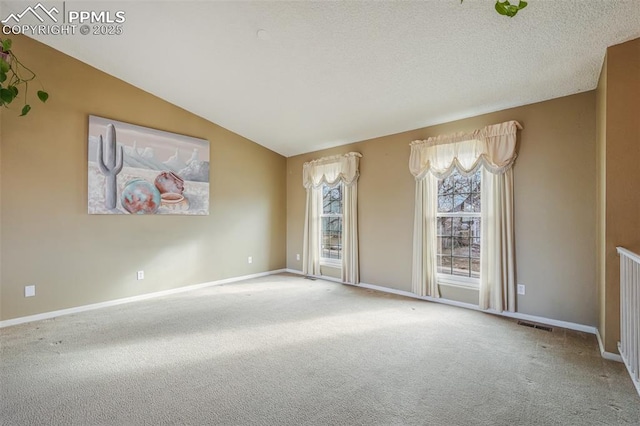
column 501, row 8
column 43, row 96
column 4, row 66
column 3, row 76
column 14, row 90
column 507, row 9
column 6, row 44
column 25, row 110
column 6, row 95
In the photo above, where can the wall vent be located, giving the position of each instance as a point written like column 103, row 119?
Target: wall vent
column 532, row 325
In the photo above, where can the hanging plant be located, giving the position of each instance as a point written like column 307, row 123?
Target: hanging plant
column 15, row 78
column 507, row 9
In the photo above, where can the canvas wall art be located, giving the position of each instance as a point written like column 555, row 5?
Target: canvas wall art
column 137, row 170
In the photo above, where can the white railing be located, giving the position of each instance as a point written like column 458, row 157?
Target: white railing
column 629, row 345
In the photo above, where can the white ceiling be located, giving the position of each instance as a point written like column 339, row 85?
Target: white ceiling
column 330, row 73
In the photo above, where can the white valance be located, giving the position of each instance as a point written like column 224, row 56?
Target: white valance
column 493, row 147
column 330, row 170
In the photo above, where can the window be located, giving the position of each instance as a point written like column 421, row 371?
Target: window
column 331, row 224
column 458, row 216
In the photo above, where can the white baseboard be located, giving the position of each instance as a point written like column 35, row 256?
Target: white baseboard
column 606, row 355
column 53, row 314
column 516, row 315
column 548, row 321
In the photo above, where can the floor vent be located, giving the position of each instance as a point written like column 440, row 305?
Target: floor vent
column 308, row 277
column 532, row 325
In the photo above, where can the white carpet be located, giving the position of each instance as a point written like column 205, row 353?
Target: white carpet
column 282, row 350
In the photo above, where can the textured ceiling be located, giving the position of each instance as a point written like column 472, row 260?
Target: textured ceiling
column 330, row 73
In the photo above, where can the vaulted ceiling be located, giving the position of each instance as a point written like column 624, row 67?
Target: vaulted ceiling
column 302, row 76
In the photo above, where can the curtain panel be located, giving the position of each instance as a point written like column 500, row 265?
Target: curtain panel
column 492, row 148
column 330, row 171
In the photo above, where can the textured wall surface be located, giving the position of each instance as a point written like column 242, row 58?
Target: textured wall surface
column 554, row 206
column 49, row 240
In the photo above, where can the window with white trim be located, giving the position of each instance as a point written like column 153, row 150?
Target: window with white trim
column 331, row 224
column 458, row 224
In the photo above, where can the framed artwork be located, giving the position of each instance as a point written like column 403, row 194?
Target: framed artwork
column 138, row 170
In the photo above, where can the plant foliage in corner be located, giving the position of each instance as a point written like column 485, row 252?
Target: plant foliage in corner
column 507, row 9
column 14, row 78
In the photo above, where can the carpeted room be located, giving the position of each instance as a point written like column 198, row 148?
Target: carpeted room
column 257, row 210
column 285, row 350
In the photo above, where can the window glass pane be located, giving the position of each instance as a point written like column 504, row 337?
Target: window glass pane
column 444, row 226
column 474, row 227
column 462, row 184
column 459, row 201
column 475, row 248
column 460, row 246
column 476, row 179
column 445, row 186
column 472, row 203
column 445, row 203
column 458, row 227
column 331, row 237
column 475, row 268
column 332, row 199
column 461, row 266
column 459, row 237
column 444, row 245
column 444, row 265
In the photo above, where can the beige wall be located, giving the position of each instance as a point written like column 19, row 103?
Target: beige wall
column 620, row 142
column 555, row 190
column 49, row 240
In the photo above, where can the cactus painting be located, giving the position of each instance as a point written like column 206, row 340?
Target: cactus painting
column 110, row 162
column 175, row 169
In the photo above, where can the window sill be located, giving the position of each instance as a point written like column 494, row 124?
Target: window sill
column 331, row 263
column 462, row 282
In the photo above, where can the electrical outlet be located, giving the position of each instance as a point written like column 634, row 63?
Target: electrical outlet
column 520, row 288
column 250, row 259
column 141, row 275
column 298, row 256
column 29, row 291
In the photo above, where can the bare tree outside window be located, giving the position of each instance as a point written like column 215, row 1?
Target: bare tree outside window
column 459, row 224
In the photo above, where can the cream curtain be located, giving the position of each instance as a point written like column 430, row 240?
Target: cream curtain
column 497, row 254
column 311, row 247
column 493, row 148
column 424, row 282
column 331, row 170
